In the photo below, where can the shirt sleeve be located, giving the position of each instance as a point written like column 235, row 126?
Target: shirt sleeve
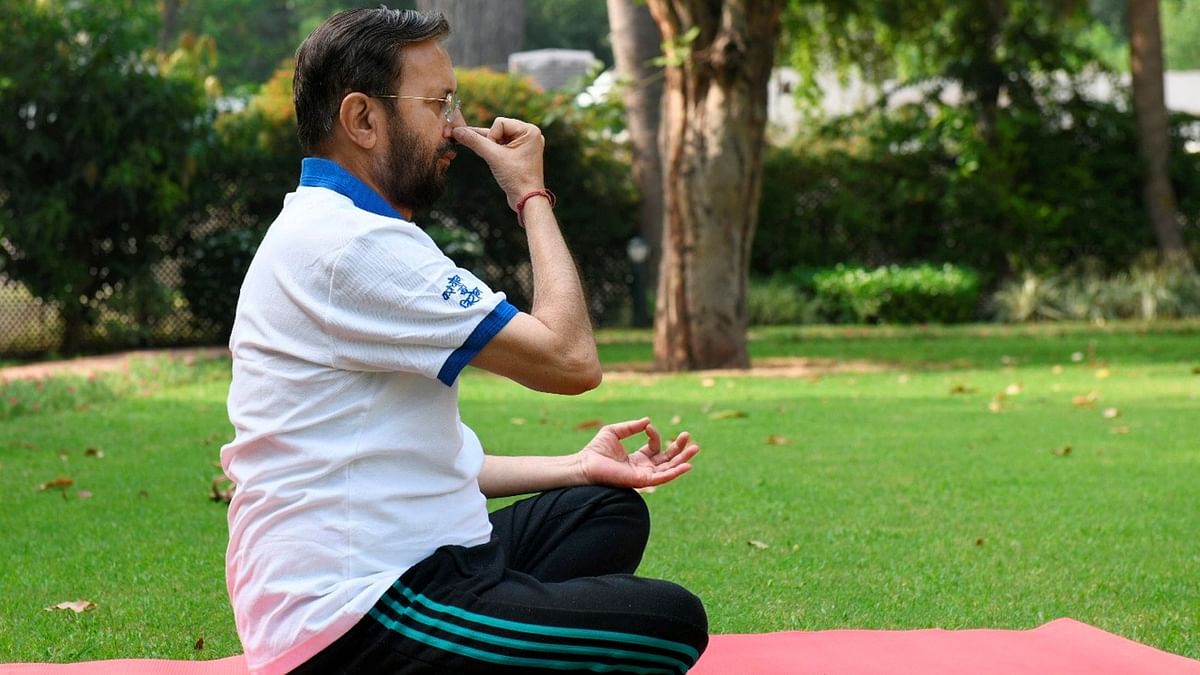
column 396, row 303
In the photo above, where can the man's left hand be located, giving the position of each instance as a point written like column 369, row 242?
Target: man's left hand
column 604, row 461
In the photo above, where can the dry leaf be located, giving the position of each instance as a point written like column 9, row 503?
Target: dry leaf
column 518, row 421
column 1102, row 373
column 93, row 452
column 962, row 389
column 777, row 440
column 1120, row 430
column 62, row 454
column 708, row 382
column 1014, row 389
column 903, row 379
column 199, row 643
column 1057, row 370
column 979, row 541
column 77, row 606
column 60, row 483
column 222, row 489
column 996, row 405
column 1196, row 370
column 676, row 419
column 1111, row 413
column 84, row 494
column 588, row 424
column 758, row 544
column 726, row 414
column 1076, row 357
column 1007, row 361
column 1084, row 401
column 1061, row 452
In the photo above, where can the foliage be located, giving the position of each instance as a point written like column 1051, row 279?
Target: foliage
column 893, row 294
column 213, row 271
column 569, row 24
column 1145, row 292
column 777, row 301
column 596, row 204
column 924, row 182
column 100, row 153
column 1181, row 34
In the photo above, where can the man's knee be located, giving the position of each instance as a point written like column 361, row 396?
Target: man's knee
column 623, row 503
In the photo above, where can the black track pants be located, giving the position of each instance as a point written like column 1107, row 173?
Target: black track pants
column 552, row 591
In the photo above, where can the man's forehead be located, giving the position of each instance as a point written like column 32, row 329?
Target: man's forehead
column 427, row 64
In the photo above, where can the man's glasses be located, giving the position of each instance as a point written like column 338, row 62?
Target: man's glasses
column 451, row 103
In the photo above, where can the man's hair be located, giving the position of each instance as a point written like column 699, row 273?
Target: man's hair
column 354, row 50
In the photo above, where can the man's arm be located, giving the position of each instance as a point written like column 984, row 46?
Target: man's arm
column 603, row 461
column 551, row 348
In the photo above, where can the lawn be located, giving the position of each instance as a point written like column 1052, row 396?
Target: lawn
column 957, row 477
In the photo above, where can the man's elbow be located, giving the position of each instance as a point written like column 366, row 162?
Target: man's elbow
column 580, row 376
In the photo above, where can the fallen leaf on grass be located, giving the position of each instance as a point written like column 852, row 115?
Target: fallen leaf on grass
column 962, row 389
column 199, row 644
column 1085, row 401
column 676, row 419
column 93, row 452
column 980, row 541
column 222, row 489
column 758, row 544
column 1076, row 357
column 996, row 404
column 726, row 414
column 84, row 494
column 1014, row 389
column 1064, row 451
column 903, row 379
column 708, row 382
column 1111, row 413
column 777, row 440
column 1196, row 370
column 1103, row 373
column 1120, row 430
column 1057, row 370
column 518, row 421
column 77, row 606
column 588, row 424
column 60, row 483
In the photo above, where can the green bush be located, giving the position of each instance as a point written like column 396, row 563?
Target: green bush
column 780, row 301
column 923, row 183
column 213, row 270
column 894, row 294
column 1146, row 291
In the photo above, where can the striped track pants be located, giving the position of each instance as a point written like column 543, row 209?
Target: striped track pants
column 553, row 592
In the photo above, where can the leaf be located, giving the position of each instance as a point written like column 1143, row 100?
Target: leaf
column 518, row 421
column 1014, row 389
column 1085, row 401
column 221, row 491
column 1057, row 370
column 1120, row 430
column 1076, row 357
column 708, row 382
column 588, row 424
column 1064, row 451
column 1103, row 373
column 93, row 452
column 996, row 405
column 199, row 643
column 774, row 439
column 903, row 379
column 727, row 414
column 60, row 483
column 1196, row 370
column 1111, row 413
column 84, row 494
column 758, row 544
column 962, row 389
column 77, row 606
column 676, row 419
column 980, row 541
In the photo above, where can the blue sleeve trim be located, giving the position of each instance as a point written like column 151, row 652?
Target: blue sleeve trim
column 487, row 329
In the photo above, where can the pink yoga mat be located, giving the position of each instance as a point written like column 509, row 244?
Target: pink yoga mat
column 1062, row 647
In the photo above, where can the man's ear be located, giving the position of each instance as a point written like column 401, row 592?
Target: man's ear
column 360, row 120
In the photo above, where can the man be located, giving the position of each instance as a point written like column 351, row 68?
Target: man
column 359, row 535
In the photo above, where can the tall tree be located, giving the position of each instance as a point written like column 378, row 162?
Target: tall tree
column 1146, row 65
column 483, row 32
column 719, row 58
column 636, row 44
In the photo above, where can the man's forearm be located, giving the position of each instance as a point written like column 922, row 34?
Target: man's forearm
column 558, row 300
column 507, row 476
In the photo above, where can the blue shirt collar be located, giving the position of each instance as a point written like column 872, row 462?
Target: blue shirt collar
column 320, row 172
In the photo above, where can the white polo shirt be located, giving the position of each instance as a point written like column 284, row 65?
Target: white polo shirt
column 350, row 459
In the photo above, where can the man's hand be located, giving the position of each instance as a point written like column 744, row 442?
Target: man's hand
column 604, row 461
column 512, row 150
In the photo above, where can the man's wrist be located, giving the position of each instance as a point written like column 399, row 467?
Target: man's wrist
column 519, row 207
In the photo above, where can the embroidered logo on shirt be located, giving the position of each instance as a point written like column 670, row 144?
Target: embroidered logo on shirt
column 455, row 285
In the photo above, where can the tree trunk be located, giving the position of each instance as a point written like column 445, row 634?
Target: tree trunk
column 482, row 32
column 169, row 10
column 714, row 125
column 1146, row 64
column 636, row 42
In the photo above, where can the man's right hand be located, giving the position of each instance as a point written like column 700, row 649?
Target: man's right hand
column 513, row 151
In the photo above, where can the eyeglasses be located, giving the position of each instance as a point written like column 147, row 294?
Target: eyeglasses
column 452, row 103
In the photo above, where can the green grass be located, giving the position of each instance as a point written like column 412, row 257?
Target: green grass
column 891, row 499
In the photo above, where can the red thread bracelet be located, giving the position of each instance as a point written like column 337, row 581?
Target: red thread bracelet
column 520, row 207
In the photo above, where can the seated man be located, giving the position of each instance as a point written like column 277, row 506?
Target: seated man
column 359, row 539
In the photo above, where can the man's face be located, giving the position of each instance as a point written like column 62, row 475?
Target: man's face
column 419, row 148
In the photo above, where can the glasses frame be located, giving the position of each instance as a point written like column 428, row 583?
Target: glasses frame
column 451, row 101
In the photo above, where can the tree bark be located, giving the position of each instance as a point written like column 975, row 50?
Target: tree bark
column 1146, row 64
column 482, row 32
column 169, row 9
column 714, row 125
column 636, row 42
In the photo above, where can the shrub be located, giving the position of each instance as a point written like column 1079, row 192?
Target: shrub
column 780, row 301
column 895, row 294
column 213, row 271
column 1146, row 291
